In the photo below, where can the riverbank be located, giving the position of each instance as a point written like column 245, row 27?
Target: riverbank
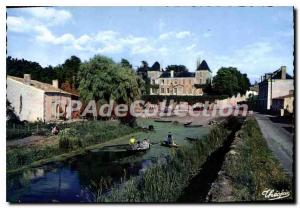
column 250, row 171
column 71, row 141
column 166, row 180
column 156, row 136
column 105, row 163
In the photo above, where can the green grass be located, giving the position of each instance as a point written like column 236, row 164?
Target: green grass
column 74, row 138
column 253, row 167
column 165, row 181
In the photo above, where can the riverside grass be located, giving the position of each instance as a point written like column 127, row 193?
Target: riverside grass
column 253, row 168
column 165, row 181
column 74, row 138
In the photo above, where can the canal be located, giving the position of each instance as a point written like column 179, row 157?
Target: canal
column 78, row 179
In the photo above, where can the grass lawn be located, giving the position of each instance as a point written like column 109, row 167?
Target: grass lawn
column 251, row 168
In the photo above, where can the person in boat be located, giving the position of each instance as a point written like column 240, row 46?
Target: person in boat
column 170, row 140
column 146, row 144
column 132, row 143
column 139, row 145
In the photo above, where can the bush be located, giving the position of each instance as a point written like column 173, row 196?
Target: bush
column 254, row 168
column 75, row 136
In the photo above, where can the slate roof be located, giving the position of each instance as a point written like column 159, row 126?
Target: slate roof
column 277, row 75
column 203, row 67
column 167, row 74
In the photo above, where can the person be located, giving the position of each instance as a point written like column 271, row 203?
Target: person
column 132, row 143
column 146, row 144
column 170, row 139
column 55, row 130
column 139, row 145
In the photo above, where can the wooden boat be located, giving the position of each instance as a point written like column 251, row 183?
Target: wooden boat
column 169, row 145
column 137, row 150
column 163, row 121
column 191, row 139
column 192, row 126
column 186, row 124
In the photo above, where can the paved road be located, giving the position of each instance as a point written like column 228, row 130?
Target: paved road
column 279, row 140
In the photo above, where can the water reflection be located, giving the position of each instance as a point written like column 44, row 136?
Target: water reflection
column 75, row 180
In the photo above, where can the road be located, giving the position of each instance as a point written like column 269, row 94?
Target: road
column 279, row 140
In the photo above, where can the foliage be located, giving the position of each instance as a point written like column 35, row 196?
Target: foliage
column 11, row 116
column 19, row 67
column 230, row 81
column 253, row 168
column 125, row 63
column 73, row 137
column 65, row 73
column 101, row 79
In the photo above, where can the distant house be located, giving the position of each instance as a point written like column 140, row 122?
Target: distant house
column 180, row 83
column 253, row 91
column 283, row 104
column 36, row 101
column 274, row 85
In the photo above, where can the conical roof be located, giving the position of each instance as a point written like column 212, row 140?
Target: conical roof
column 203, row 66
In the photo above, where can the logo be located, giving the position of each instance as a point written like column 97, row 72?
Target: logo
column 271, row 194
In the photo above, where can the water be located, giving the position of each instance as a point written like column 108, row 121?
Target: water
column 70, row 181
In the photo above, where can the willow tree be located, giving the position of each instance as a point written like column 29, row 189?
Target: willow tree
column 102, row 80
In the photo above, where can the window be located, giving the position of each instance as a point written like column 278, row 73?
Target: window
column 153, row 81
column 175, row 90
column 168, row 91
column 162, row 90
column 21, row 104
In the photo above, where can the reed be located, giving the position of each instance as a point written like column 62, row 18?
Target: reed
column 165, row 180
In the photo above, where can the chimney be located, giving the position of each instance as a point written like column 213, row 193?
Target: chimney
column 283, row 72
column 27, row 79
column 172, row 73
column 55, row 83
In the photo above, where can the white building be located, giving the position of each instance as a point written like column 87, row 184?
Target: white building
column 274, row 85
column 37, row 101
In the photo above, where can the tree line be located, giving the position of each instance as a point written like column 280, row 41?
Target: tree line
column 101, row 78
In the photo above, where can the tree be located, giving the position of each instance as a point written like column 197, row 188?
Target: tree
column 19, row 67
column 102, row 79
column 70, row 69
column 229, row 81
column 145, row 64
column 125, row 63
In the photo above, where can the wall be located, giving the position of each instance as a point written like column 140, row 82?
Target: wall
column 184, row 86
column 52, row 100
column 32, row 100
column 280, row 87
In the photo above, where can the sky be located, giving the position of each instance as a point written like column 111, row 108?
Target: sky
column 256, row 40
